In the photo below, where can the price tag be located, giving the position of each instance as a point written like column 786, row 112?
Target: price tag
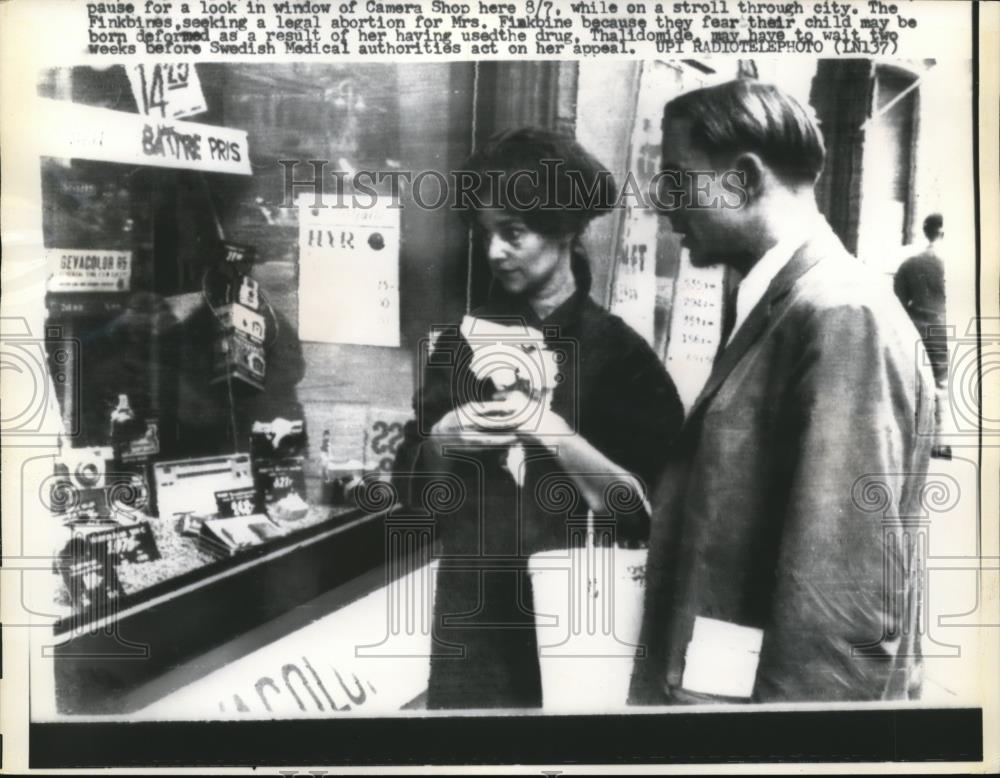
column 238, row 502
column 166, row 90
column 277, row 479
column 90, row 561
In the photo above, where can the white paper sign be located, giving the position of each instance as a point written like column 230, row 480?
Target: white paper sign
column 695, row 327
column 86, row 132
column 88, row 270
column 634, row 290
column 166, row 90
column 349, row 274
column 722, row 658
column 634, row 295
column 589, row 606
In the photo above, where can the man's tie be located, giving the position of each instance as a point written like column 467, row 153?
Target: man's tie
column 728, row 321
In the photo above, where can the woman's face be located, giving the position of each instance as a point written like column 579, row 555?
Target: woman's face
column 523, row 261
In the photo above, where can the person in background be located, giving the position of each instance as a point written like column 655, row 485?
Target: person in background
column 606, row 424
column 773, row 573
column 919, row 285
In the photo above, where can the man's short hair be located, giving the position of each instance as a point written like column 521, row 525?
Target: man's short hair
column 933, row 225
column 746, row 115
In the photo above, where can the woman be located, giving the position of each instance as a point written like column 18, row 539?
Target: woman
column 603, row 423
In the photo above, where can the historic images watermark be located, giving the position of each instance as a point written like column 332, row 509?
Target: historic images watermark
column 35, row 367
column 973, row 359
column 552, row 188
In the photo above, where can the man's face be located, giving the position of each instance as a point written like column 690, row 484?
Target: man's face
column 714, row 232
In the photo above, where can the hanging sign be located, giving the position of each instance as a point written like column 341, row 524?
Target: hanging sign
column 86, row 132
column 166, row 90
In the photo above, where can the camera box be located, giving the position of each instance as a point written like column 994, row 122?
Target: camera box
column 237, row 356
column 518, row 367
column 277, row 450
column 248, row 293
column 84, row 468
column 239, row 318
column 87, row 486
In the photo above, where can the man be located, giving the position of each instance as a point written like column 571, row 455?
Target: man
column 775, row 568
column 919, row 285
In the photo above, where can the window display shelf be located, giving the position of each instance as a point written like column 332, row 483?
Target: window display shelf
column 165, row 623
column 183, row 560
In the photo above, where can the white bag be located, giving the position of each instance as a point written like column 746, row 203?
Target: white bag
column 588, row 611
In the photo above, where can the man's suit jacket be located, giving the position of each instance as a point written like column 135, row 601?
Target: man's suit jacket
column 919, row 285
column 789, row 501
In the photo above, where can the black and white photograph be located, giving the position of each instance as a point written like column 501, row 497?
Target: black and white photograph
column 540, row 386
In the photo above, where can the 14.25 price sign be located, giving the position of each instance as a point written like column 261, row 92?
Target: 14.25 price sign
column 166, row 90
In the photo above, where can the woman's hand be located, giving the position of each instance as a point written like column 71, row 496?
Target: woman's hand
column 591, row 470
column 547, row 428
